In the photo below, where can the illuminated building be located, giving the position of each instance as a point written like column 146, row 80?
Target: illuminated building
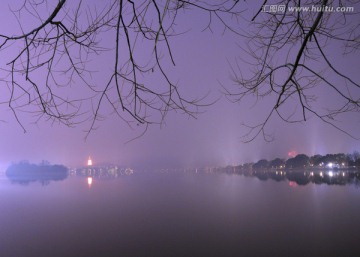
column 89, row 162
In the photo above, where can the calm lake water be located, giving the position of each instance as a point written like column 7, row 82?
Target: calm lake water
column 186, row 214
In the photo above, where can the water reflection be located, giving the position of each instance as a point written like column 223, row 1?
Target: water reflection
column 89, row 181
column 25, row 173
column 101, row 172
column 181, row 214
column 298, row 176
column 107, row 172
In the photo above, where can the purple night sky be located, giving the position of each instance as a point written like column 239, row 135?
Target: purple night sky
column 203, row 61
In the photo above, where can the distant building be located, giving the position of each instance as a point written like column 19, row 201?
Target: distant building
column 89, row 162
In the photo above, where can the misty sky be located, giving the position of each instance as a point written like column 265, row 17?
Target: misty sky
column 203, row 61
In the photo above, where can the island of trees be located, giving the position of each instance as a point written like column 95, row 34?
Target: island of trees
column 25, row 172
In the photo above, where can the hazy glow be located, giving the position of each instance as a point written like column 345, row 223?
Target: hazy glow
column 89, row 162
column 89, row 181
column 292, row 184
column 292, row 154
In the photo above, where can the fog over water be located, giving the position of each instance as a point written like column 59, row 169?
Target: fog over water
column 177, row 214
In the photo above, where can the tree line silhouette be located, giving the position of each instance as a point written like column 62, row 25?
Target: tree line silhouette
column 331, row 169
column 331, row 161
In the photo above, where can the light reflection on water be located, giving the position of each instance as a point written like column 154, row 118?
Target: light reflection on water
column 89, row 181
column 180, row 214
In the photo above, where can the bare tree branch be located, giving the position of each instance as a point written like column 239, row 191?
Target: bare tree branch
column 289, row 45
column 57, row 53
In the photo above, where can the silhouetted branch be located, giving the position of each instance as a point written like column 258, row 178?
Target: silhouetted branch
column 289, row 52
column 60, row 50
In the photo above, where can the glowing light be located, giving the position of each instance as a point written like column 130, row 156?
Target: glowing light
column 321, row 174
column 331, row 174
column 330, row 164
column 292, row 184
column 343, row 174
column 292, row 154
column 89, row 162
column 89, row 181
